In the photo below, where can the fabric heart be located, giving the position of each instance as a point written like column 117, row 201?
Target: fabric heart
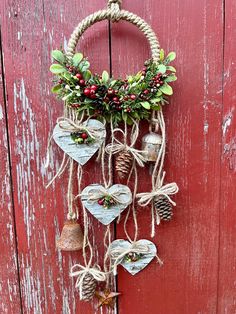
column 120, row 195
column 79, row 152
column 134, row 257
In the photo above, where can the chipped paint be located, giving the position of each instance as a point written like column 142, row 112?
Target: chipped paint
column 227, row 121
column 1, row 112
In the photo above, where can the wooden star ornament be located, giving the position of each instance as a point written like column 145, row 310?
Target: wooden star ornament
column 106, row 297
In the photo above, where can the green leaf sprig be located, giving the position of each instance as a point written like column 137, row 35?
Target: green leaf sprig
column 104, row 97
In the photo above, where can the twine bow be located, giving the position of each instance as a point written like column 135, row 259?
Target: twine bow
column 165, row 190
column 95, row 194
column 118, row 147
column 118, row 253
column 80, row 272
column 69, row 125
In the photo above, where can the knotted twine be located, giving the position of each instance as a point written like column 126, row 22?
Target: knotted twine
column 81, row 272
column 158, row 176
column 117, row 146
column 94, row 195
column 117, row 254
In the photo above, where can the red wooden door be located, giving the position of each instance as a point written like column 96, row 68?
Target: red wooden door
column 197, row 246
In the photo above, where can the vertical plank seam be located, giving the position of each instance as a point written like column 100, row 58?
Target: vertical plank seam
column 10, row 169
column 111, row 73
column 221, row 152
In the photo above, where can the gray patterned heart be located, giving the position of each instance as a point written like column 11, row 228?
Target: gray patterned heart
column 91, row 195
column 138, row 258
column 80, row 152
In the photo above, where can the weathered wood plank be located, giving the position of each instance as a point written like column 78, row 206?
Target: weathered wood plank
column 31, row 30
column 9, row 280
column 227, row 260
column 187, row 283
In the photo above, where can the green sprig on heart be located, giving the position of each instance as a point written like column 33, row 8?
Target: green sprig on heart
column 103, row 97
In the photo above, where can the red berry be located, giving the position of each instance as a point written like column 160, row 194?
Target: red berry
column 128, row 109
column 75, row 105
column 82, row 82
column 94, row 87
column 93, row 96
column 92, row 91
column 84, row 136
column 126, row 98
column 106, row 99
column 115, row 99
column 133, row 97
column 101, row 201
column 79, row 76
column 146, row 92
column 87, row 91
column 110, row 91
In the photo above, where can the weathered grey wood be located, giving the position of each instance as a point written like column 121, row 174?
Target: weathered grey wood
column 135, row 267
column 106, row 215
column 81, row 153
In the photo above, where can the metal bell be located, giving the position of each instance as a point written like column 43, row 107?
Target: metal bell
column 151, row 144
column 71, row 238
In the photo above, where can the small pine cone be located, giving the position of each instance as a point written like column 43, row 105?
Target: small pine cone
column 124, row 161
column 88, row 288
column 164, row 208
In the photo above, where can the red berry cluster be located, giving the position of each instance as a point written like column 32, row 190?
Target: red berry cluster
column 80, row 137
column 157, row 80
column 90, row 91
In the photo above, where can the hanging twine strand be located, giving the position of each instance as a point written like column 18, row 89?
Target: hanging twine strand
column 158, row 175
column 117, row 146
column 70, row 197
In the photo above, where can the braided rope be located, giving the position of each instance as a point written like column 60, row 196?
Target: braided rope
column 114, row 14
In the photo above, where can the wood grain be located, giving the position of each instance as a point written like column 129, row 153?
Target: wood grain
column 198, row 245
column 30, row 31
column 187, row 283
column 9, row 280
column 227, row 222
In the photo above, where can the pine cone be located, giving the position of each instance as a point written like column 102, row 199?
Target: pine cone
column 124, row 161
column 88, row 288
column 164, row 208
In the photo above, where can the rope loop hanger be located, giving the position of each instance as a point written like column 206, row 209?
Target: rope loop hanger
column 114, row 13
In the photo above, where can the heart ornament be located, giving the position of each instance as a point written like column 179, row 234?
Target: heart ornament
column 82, row 152
column 134, row 257
column 106, row 204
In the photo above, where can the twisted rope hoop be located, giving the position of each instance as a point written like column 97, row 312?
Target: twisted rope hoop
column 114, row 14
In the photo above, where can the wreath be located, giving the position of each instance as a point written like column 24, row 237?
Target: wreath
column 93, row 104
column 115, row 100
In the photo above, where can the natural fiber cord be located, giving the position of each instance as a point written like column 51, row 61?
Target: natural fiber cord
column 114, row 14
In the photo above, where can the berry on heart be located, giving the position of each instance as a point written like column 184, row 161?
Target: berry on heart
column 84, row 136
column 101, row 202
